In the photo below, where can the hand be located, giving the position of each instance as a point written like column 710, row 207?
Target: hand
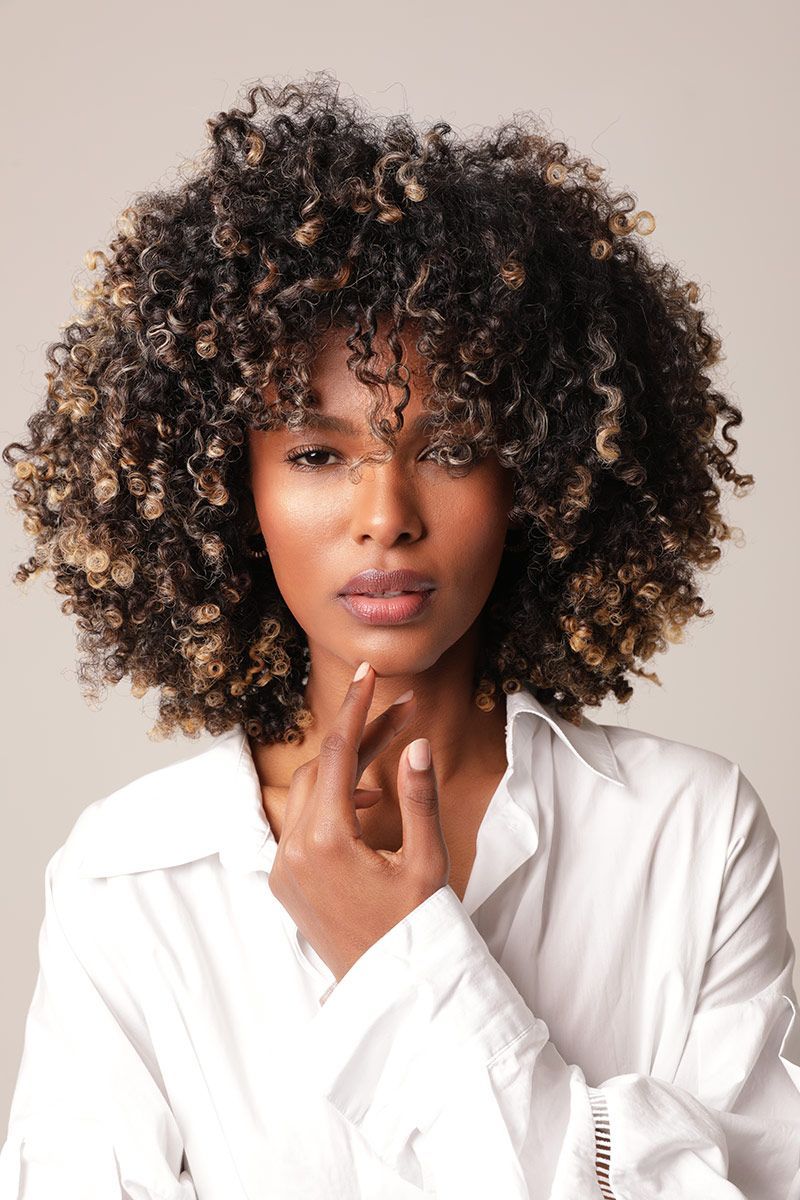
column 342, row 895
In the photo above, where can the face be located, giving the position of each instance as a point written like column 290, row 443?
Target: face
column 411, row 511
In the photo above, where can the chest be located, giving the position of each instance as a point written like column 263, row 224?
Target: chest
column 227, row 998
column 461, row 837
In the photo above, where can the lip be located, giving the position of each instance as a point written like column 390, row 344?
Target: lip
column 375, row 581
column 387, row 610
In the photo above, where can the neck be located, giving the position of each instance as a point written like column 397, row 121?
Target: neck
column 466, row 742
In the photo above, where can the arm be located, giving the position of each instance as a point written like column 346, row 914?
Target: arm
column 88, row 1121
column 427, row 1047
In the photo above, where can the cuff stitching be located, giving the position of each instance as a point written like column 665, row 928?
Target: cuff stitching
column 602, row 1140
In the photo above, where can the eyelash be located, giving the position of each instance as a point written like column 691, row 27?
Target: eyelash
column 302, row 451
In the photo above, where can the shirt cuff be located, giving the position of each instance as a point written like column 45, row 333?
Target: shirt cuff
column 602, row 1140
column 425, row 1002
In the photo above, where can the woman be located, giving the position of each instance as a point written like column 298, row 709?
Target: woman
column 368, row 398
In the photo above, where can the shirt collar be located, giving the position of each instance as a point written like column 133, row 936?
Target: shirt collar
column 211, row 803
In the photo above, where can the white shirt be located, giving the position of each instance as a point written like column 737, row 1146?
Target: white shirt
column 618, row 978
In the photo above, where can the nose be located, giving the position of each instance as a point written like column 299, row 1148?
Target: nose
column 385, row 504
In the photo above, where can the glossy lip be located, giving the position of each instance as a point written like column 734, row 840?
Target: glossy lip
column 374, row 581
column 387, row 610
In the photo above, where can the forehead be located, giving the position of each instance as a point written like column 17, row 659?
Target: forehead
column 330, row 372
column 341, row 400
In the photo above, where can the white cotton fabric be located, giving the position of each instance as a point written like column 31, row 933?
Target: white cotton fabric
column 609, row 1013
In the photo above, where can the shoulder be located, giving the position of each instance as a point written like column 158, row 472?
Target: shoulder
column 692, row 819
column 149, row 817
column 646, row 758
column 684, row 777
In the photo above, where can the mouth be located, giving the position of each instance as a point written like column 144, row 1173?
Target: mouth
column 387, row 608
column 375, row 582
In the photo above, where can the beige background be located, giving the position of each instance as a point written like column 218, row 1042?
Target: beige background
column 690, row 106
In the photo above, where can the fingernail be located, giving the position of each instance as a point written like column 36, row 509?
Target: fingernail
column 419, row 754
column 405, row 696
column 361, row 672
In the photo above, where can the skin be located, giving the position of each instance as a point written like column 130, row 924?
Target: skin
column 320, row 528
column 342, row 894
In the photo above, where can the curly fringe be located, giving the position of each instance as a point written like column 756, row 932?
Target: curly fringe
column 540, row 317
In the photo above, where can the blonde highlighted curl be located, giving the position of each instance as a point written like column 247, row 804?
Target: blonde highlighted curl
column 541, row 319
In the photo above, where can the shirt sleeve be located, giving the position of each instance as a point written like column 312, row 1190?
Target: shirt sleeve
column 427, row 1047
column 87, row 1120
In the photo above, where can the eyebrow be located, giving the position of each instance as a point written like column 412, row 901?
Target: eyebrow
column 317, row 420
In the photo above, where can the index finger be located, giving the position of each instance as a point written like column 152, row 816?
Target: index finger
column 335, row 808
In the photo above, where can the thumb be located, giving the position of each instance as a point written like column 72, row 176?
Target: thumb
column 423, row 840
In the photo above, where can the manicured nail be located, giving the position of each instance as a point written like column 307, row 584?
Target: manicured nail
column 405, row 696
column 361, row 672
column 419, row 754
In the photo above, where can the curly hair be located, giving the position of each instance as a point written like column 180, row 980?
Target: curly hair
column 541, row 319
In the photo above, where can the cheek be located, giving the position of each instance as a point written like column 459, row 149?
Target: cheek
column 475, row 518
column 475, row 548
column 294, row 516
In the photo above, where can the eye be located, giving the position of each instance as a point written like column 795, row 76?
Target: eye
column 459, row 457
column 303, row 452
column 455, row 454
